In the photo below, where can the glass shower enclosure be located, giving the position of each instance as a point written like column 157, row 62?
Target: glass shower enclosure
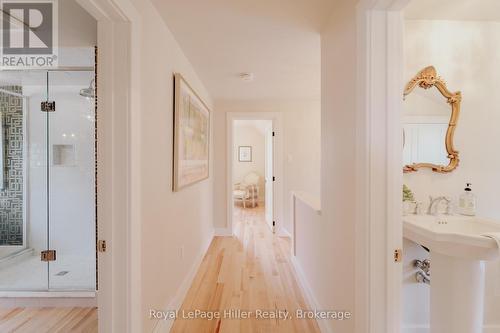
column 47, row 181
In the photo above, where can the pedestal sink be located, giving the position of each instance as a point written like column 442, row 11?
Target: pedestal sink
column 457, row 252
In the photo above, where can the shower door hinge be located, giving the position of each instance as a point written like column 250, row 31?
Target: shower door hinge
column 48, row 255
column 48, row 106
column 101, row 246
column 398, row 255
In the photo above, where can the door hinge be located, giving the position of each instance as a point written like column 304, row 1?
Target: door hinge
column 274, row 223
column 398, row 255
column 274, row 179
column 101, row 246
column 48, row 255
column 274, row 133
column 48, row 106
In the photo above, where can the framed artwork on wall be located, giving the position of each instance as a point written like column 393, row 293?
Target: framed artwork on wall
column 191, row 136
column 245, row 153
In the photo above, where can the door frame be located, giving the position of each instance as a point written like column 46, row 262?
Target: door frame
column 269, row 144
column 378, row 227
column 277, row 119
column 118, row 158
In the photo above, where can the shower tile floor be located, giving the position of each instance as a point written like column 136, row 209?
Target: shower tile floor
column 31, row 274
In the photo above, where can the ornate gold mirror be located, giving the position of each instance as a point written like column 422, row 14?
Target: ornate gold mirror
column 430, row 115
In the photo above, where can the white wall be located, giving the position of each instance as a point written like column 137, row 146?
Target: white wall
column 302, row 155
column 249, row 135
column 77, row 32
column 301, row 137
column 77, row 28
column 170, row 221
column 466, row 55
column 338, row 161
column 325, row 244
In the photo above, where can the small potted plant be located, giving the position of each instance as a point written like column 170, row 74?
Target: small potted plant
column 408, row 200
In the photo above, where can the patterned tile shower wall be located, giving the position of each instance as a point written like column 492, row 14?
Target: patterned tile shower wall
column 11, row 196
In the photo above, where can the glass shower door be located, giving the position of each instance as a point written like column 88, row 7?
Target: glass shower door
column 23, row 185
column 71, row 181
column 47, row 181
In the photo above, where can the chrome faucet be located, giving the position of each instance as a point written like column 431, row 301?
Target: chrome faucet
column 424, row 265
column 422, row 278
column 434, row 205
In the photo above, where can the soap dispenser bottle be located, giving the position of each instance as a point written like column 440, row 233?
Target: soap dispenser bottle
column 467, row 202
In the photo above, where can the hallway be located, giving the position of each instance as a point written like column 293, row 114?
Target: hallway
column 178, row 105
column 250, row 271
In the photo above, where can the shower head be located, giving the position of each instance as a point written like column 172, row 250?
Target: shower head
column 90, row 91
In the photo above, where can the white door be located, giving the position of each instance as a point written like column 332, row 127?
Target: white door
column 269, row 178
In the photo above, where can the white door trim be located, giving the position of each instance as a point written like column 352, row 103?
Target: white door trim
column 268, row 176
column 118, row 86
column 379, row 173
column 278, row 198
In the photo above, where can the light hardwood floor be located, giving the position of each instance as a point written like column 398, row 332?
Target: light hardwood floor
column 48, row 320
column 250, row 271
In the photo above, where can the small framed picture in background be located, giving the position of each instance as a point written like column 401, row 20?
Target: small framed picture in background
column 245, row 154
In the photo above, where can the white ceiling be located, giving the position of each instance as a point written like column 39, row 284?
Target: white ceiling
column 277, row 40
column 463, row 10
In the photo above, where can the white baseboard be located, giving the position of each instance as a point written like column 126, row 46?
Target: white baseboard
column 310, row 299
column 222, row 232
column 164, row 326
column 426, row 329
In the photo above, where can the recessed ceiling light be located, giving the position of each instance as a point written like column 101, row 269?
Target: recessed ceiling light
column 246, row 76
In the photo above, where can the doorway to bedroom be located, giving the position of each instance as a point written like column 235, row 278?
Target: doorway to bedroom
column 252, row 175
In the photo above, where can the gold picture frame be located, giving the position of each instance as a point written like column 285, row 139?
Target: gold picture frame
column 191, row 152
column 427, row 78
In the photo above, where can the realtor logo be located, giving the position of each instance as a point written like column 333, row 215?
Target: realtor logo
column 29, row 34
